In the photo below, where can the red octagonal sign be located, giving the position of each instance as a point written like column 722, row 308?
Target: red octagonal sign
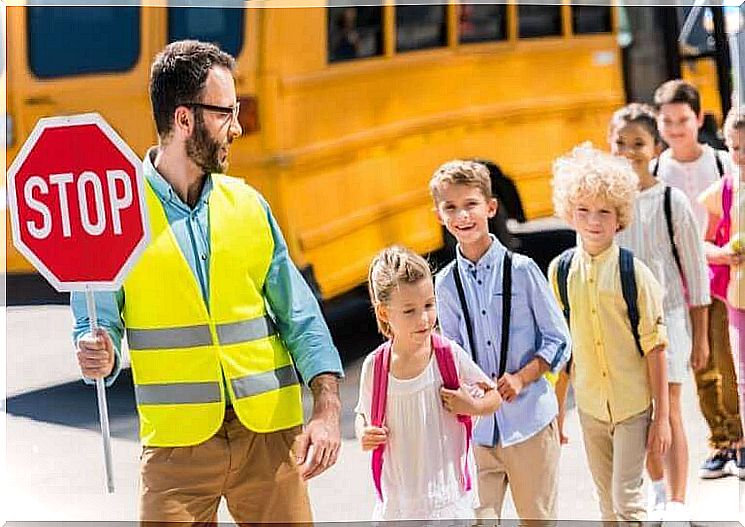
column 76, row 196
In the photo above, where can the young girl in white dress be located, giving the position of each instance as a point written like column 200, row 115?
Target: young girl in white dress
column 418, row 430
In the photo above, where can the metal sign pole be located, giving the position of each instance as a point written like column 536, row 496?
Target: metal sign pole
column 103, row 413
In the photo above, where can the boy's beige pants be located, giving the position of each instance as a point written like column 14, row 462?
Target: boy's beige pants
column 255, row 472
column 616, row 454
column 530, row 468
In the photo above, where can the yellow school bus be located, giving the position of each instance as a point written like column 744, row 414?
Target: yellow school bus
column 346, row 111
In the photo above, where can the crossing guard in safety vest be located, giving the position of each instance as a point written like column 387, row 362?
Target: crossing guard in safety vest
column 217, row 319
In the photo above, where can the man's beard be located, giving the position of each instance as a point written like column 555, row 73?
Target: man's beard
column 204, row 150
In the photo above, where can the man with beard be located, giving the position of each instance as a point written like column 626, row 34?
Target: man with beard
column 217, row 319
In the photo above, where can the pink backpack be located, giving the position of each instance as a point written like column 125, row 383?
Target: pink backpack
column 381, row 365
column 719, row 274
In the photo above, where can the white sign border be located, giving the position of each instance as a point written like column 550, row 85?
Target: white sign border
column 78, row 120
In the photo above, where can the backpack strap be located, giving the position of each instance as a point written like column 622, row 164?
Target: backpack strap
column 446, row 364
column 506, row 311
column 727, row 192
column 464, row 308
column 381, row 365
column 630, row 294
column 656, row 168
column 668, row 209
column 562, row 277
column 720, row 166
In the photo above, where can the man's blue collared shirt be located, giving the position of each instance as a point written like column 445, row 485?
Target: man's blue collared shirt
column 295, row 309
column 537, row 329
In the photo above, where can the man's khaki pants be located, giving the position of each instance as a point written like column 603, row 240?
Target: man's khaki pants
column 530, row 468
column 256, row 473
column 616, row 454
column 716, row 384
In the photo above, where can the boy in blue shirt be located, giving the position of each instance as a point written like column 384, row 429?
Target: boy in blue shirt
column 514, row 338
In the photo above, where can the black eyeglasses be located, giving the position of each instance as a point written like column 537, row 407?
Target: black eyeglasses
column 231, row 111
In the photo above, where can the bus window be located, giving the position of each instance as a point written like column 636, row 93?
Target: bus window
column 220, row 25
column 354, row 32
column 591, row 19
column 420, row 27
column 482, row 22
column 73, row 40
column 538, row 20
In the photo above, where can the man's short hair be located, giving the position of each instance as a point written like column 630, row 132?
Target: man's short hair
column 678, row 91
column 178, row 75
column 458, row 172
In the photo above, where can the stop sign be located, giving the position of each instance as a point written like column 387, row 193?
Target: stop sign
column 76, row 196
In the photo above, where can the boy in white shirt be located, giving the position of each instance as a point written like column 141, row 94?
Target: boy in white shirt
column 692, row 167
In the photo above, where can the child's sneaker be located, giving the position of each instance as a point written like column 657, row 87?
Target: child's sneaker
column 676, row 512
column 656, row 497
column 717, row 465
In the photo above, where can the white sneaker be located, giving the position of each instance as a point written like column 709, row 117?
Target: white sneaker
column 676, row 513
column 656, row 513
column 655, row 504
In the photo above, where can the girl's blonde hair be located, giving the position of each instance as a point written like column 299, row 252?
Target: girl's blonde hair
column 735, row 119
column 391, row 267
column 588, row 173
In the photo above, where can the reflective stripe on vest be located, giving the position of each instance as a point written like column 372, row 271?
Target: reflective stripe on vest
column 199, row 335
column 179, row 393
column 264, row 382
column 181, row 347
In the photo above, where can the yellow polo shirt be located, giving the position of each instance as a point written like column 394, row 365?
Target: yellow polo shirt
column 610, row 377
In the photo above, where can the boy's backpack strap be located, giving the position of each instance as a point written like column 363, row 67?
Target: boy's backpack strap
column 656, row 168
column 562, row 278
column 668, row 209
column 446, row 364
column 506, row 311
column 630, row 296
column 381, row 365
column 464, row 308
column 720, row 166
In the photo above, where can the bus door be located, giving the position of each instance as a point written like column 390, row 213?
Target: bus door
column 69, row 60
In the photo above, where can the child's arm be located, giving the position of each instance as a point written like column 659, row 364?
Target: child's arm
column 695, row 274
column 699, row 336
column 370, row 436
column 562, row 388
column 659, row 437
column 511, row 384
column 719, row 255
column 550, row 326
column 461, row 402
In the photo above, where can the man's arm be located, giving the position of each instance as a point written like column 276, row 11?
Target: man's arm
column 304, row 332
column 99, row 356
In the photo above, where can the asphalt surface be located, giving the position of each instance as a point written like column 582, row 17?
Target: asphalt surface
column 54, row 461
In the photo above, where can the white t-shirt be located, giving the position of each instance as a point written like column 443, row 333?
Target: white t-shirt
column 426, row 446
column 693, row 177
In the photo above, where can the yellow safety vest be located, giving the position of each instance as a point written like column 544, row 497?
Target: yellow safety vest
column 180, row 350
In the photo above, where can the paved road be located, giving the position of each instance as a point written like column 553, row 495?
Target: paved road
column 54, row 456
